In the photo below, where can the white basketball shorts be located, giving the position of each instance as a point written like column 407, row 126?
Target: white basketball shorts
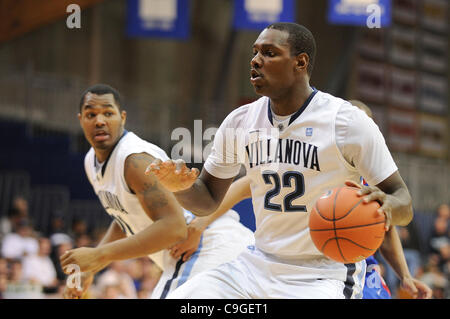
column 221, row 242
column 255, row 276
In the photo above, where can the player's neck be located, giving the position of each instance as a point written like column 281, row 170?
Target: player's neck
column 102, row 154
column 291, row 102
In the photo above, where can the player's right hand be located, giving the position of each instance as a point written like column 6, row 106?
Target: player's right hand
column 78, row 292
column 173, row 175
column 190, row 245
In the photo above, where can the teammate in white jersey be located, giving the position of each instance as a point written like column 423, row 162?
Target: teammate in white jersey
column 147, row 218
column 287, row 142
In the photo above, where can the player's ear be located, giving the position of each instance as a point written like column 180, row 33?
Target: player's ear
column 79, row 116
column 302, row 61
column 123, row 115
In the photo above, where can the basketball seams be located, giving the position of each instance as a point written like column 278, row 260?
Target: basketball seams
column 355, row 243
column 351, row 209
column 334, row 216
column 336, row 240
column 348, row 227
column 334, row 223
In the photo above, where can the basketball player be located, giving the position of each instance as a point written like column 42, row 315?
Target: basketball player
column 287, row 142
column 147, row 217
column 375, row 287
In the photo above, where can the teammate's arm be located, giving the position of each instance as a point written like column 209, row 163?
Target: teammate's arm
column 205, row 195
column 202, row 195
column 392, row 251
column 161, row 206
column 238, row 191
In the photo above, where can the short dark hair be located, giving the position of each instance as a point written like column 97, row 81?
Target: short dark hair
column 101, row 89
column 300, row 39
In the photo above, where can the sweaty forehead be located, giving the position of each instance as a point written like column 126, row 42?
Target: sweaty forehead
column 93, row 100
column 272, row 37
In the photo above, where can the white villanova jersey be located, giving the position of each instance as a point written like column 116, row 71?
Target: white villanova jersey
column 111, row 188
column 290, row 165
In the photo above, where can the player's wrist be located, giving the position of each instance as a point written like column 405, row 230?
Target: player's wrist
column 406, row 277
column 104, row 254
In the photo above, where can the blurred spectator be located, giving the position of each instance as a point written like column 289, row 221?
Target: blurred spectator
column 83, row 240
column 116, row 283
column 440, row 234
column 435, row 280
column 16, row 272
column 57, row 234
column 17, row 213
column 60, row 238
column 79, row 228
column 19, row 287
column 443, row 211
column 112, row 291
column 144, row 294
column 3, row 266
column 150, row 277
column 135, row 270
column 147, row 286
column 20, row 243
column 39, row 268
column 3, row 285
column 57, row 225
column 57, row 252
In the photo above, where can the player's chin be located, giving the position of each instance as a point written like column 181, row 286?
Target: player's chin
column 259, row 89
column 101, row 145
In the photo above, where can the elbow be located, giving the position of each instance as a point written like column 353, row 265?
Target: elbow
column 408, row 212
column 410, row 215
column 202, row 213
column 206, row 209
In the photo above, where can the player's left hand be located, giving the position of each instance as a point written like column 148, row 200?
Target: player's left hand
column 416, row 288
column 189, row 246
column 88, row 259
column 375, row 194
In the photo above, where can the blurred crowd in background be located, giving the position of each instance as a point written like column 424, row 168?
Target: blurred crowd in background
column 29, row 260
column 30, row 268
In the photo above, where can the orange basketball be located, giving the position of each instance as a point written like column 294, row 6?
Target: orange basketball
column 344, row 228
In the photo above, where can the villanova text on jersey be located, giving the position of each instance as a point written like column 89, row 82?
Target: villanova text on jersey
column 111, row 201
column 287, row 151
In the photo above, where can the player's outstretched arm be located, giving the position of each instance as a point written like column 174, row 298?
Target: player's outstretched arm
column 168, row 228
column 201, row 195
column 392, row 251
column 238, row 191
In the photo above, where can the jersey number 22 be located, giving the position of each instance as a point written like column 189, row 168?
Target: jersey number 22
column 289, row 179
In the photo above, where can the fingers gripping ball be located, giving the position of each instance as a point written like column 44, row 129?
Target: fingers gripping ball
column 344, row 228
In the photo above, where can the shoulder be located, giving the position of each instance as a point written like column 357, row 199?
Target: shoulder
column 132, row 144
column 351, row 117
column 239, row 115
column 89, row 157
